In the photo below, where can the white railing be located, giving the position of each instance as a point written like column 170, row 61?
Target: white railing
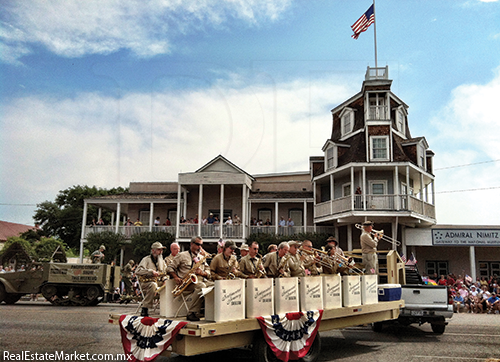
column 323, row 209
column 378, row 112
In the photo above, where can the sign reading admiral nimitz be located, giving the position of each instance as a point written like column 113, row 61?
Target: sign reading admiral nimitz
column 466, row 237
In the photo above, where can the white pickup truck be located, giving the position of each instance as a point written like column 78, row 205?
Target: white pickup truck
column 423, row 303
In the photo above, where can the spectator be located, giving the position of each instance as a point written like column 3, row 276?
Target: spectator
column 138, row 223
column 442, row 280
column 493, row 303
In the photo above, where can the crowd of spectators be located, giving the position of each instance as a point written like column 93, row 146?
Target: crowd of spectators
column 481, row 296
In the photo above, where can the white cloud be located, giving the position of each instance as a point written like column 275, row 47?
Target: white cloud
column 51, row 144
column 469, row 133
column 74, row 28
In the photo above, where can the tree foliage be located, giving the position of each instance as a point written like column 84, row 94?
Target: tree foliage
column 113, row 243
column 45, row 249
column 141, row 243
column 62, row 218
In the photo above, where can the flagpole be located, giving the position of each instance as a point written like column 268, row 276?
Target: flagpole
column 375, row 35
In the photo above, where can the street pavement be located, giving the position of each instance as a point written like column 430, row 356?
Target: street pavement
column 40, row 328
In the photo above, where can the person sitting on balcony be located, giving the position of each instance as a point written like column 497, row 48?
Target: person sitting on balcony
column 210, row 219
column 237, row 220
column 290, row 222
column 369, row 248
column 168, row 222
column 138, row 223
column 100, row 222
column 129, row 222
column 157, row 222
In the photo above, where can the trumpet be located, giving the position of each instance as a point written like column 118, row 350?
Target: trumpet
column 327, row 260
column 380, row 235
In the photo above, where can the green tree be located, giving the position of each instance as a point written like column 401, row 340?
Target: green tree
column 62, row 218
column 48, row 249
column 141, row 243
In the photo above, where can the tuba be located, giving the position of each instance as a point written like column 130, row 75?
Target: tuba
column 191, row 277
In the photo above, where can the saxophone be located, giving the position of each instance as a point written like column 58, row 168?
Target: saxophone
column 191, row 277
column 259, row 269
column 230, row 266
column 148, row 279
column 283, row 265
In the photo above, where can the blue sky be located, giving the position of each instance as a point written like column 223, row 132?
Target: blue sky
column 104, row 93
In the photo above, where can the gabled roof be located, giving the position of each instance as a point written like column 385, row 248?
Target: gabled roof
column 222, row 164
column 8, row 229
column 413, row 141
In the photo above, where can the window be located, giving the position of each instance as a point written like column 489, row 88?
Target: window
column 144, row 217
column 378, row 198
column 421, row 156
column 489, row 268
column 347, row 121
column 265, row 214
column 346, row 190
column 378, row 110
column 400, row 120
column 379, row 148
column 437, row 267
column 296, row 216
column 331, row 159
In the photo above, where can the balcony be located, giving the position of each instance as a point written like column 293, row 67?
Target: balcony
column 212, row 231
column 406, row 203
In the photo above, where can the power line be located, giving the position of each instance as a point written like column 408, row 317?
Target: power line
column 466, row 165
column 466, row 190
column 4, row 204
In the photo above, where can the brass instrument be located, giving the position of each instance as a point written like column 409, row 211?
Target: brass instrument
column 152, row 278
column 259, row 269
column 327, row 260
column 230, row 265
column 379, row 234
column 191, row 277
column 283, row 265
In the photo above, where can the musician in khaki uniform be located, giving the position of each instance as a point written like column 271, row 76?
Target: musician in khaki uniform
column 251, row 265
column 174, row 250
column 275, row 263
column 152, row 267
column 225, row 263
column 181, row 267
column 369, row 248
column 295, row 264
column 311, row 262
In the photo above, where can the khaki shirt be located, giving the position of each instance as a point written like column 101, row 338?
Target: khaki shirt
column 249, row 265
column 169, row 259
column 147, row 266
column 368, row 244
column 220, row 267
column 127, row 271
column 271, row 265
column 295, row 266
column 181, row 264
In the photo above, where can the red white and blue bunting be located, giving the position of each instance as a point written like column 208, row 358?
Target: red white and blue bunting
column 291, row 335
column 144, row 338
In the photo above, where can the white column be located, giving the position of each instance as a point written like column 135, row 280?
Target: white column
column 397, row 204
column 185, row 205
column 332, row 193
column 178, row 211
column 112, row 218
column 221, row 216
column 151, row 216
column 276, row 217
column 122, row 252
column 352, row 188
column 403, row 241
column 314, row 198
column 349, row 237
column 434, row 199
column 395, row 231
column 200, row 208
column 84, row 224
column 305, row 216
column 472, row 257
column 99, row 213
column 118, row 212
column 364, row 191
column 244, row 203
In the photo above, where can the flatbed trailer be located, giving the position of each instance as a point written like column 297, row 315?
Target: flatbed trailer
column 205, row 336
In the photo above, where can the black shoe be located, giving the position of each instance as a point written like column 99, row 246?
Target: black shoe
column 192, row 317
column 144, row 312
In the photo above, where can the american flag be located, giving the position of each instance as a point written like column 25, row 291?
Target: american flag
column 403, row 258
column 363, row 22
column 412, row 260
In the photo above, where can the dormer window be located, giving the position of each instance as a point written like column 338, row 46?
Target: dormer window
column 400, row 120
column 347, row 121
column 331, row 157
column 421, row 156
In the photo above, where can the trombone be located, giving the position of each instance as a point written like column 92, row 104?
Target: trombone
column 326, row 259
column 380, row 235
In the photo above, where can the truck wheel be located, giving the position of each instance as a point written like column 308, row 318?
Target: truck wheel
column 3, row 293
column 377, row 327
column 438, row 328
column 314, row 351
column 263, row 353
column 11, row 298
column 261, row 350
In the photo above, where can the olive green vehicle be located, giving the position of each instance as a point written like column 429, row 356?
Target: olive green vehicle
column 61, row 283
